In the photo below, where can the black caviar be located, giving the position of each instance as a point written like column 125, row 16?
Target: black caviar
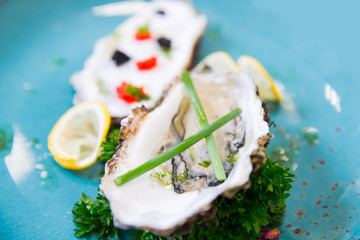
column 164, row 43
column 160, row 12
column 120, row 58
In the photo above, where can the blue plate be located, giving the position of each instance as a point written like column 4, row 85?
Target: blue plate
column 311, row 47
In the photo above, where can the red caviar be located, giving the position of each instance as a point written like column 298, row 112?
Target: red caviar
column 147, row 64
column 142, row 35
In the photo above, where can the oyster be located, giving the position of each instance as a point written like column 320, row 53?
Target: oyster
column 181, row 190
column 174, row 29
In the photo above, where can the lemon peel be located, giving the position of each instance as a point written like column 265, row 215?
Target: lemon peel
column 76, row 137
column 268, row 89
column 220, row 62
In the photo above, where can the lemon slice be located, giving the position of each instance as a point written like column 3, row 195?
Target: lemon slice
column 218, row 62
column 268, row 89
column 76, row 137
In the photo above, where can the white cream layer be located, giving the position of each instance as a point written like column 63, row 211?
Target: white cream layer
column 98, row 80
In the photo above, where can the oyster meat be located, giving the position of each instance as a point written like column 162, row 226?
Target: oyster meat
column 183, row 189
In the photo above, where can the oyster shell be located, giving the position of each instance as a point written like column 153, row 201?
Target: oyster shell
column 183, row 189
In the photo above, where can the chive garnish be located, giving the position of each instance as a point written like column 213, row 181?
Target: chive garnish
column 172, row 152
column 210, row 140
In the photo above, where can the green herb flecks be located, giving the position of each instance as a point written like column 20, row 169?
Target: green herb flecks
column 136, row 92
column 172, row 152
column 233, row 158
column 182, row 177
column 101, row 87
column 192, row 155
column 162, row 177
column 167, row 52
column 240, row 217
column 144, row 29
column 205, row 164
column 210, row 140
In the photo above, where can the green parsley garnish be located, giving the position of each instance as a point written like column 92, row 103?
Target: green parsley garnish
column 136, row 92
column 210, row 140
column 166, row 52
column 108, row 147
column 233, row 158
column 241, row 217
column 94, row 218
column 205, row 164
column 172, row 152
column 144, row 29
column 182, row 177
column 163, row 178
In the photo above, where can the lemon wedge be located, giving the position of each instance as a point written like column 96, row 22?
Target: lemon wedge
column 76, row 137
column 220, row 62
column 268, row 89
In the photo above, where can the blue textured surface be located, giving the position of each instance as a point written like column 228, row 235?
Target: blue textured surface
column 305, row 45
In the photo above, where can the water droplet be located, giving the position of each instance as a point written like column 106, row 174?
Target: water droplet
column 43, row 174
column 40, row 166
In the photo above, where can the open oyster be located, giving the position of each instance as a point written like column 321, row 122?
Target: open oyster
column 149, row 62
column 183, row 189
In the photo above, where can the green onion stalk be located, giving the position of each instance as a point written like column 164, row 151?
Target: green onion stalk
column 210, row 140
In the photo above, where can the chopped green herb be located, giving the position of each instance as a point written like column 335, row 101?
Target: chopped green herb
column 162, row 177
column 101, row 87
column 210, row 140
column 192, row 155
column 182, row 177
column 166, row 52
column 136, row 92
column 205, row 164
column 240, row 217
column 233, row 158
column 144, row 29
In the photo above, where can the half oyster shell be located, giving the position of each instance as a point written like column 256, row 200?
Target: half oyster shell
column 181, row 190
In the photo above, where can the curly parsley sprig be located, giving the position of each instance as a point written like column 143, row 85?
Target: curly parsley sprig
column 108, row 147
column 94, row 217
